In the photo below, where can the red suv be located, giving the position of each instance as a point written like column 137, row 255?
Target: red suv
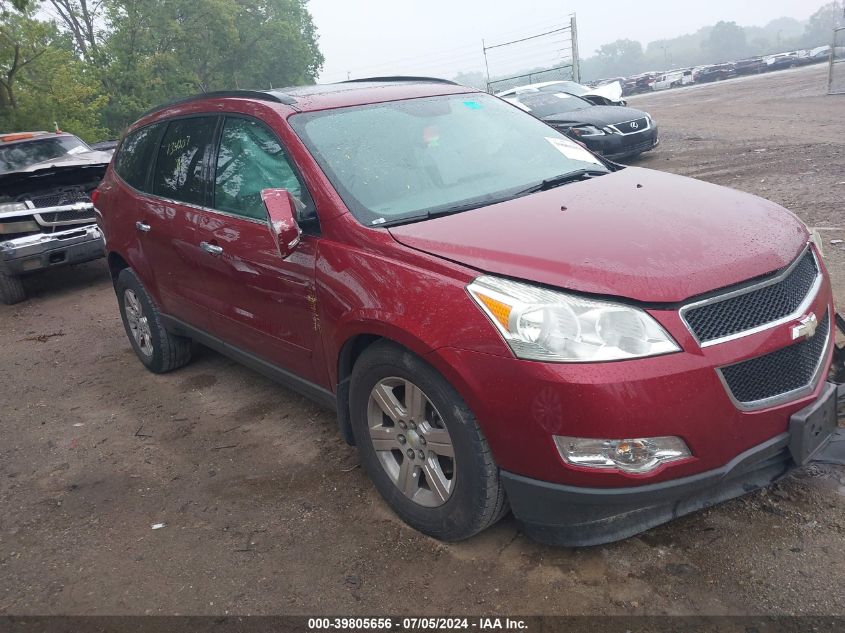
column 500, row 318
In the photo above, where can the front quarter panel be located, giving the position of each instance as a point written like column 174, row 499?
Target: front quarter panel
column 384, row 289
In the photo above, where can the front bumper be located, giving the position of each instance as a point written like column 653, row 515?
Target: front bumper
column 615, row 146
column 574, row 516
column 47, row 250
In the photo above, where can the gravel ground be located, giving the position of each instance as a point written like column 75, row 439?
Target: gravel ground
column 265, row 508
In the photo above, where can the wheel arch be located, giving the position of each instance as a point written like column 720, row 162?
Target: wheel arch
column 348, row 353
column 116, row 264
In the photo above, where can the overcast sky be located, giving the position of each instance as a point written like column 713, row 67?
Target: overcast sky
column 443, row 37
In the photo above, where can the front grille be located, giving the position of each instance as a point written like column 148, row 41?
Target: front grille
column 780, row 373
column 629, row 127
column 642, row 146
column 54, row 217
column 61, row 198
column 760, row 305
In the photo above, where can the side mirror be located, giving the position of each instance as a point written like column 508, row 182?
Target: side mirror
column 280, row 210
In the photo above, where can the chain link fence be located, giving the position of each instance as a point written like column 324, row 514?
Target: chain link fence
column 548, row 56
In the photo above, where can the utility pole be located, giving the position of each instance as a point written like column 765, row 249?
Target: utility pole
column 576, row 63
column 486, row 65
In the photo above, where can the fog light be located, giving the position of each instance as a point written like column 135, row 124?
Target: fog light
column 639, row 455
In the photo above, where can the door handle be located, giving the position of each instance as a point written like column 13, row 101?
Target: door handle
column 141, row 226
column 212, row 249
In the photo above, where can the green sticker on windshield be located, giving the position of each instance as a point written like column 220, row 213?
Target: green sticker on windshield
column 472, row 105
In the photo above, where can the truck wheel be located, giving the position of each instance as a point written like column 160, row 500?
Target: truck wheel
column 159, row 350
column 422, row 447
column 11, row 289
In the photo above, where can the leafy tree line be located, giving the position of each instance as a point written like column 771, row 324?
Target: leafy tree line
column 93, row 66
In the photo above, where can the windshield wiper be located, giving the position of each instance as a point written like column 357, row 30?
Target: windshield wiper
column 436, row 213
column 548, row 183
column 562, row 179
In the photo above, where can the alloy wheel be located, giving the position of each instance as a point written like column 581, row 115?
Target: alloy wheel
column 137, row 321
column 411, row 441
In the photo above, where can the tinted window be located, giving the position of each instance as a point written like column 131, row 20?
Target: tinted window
column 21, row 155
column 250, row 159
column 182, row 158
column 135, row 155
column 548, row 104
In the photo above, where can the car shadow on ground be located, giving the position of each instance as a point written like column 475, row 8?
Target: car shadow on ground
column 67, row 280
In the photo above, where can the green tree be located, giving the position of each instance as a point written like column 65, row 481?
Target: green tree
column 819, row 28
column 726, row 42
column 23, row 40
column 163, row 49
column 621, row 57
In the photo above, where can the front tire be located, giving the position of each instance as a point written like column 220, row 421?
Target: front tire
column 422, row 447
column 159, row 350
column 11, row 289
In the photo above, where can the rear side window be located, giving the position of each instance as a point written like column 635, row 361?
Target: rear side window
column 182, row 157
column 135, row 155
column 251, row 159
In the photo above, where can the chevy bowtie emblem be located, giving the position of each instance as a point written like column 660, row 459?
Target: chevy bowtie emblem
column 806, row 327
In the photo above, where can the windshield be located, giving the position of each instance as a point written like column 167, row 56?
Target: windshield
column 565, row 86
column 21, row 155
column 397, row 160
column 544, row 104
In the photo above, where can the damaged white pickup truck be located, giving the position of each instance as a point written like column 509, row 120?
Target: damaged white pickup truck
column 46, row 215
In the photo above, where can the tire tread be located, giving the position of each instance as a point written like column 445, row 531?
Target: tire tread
column 11, row 289
column 170, row 351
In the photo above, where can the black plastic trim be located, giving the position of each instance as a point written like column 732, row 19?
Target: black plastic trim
column 575, row 516
column 273, row 96
column 432, row 80
column 308, row 389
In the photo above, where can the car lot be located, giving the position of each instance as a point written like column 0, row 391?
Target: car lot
column 265, row 509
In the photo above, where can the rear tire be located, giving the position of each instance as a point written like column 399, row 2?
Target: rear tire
column 448, row 498
column 11, row 289
column 159, row 350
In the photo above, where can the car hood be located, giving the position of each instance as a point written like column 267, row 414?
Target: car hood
column 611, row 92
column 596, row 115
column 67, row 170
column 82, row 159
column 636, row 233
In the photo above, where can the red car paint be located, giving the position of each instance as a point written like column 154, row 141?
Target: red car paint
column 639, row 234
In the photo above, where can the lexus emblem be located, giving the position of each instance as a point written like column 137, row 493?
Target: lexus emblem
column 635, row 125
column 806, row 327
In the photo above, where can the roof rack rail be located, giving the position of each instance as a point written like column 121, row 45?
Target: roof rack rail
column 263, row 95
column 436, row 80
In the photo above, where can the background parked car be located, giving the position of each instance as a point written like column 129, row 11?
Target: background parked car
column 750, row 66
column 605, row 94
column 673, row 79
column 46, row 215
column 613, row 131
column 715, row 72
column 638, row 83
column 781, row 61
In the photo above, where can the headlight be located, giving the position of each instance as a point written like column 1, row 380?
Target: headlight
column 551, row 326
column 586, row 130
column 13, row 206
column 640, row 455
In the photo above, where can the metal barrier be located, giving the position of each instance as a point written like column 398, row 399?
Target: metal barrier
column 836, row 77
